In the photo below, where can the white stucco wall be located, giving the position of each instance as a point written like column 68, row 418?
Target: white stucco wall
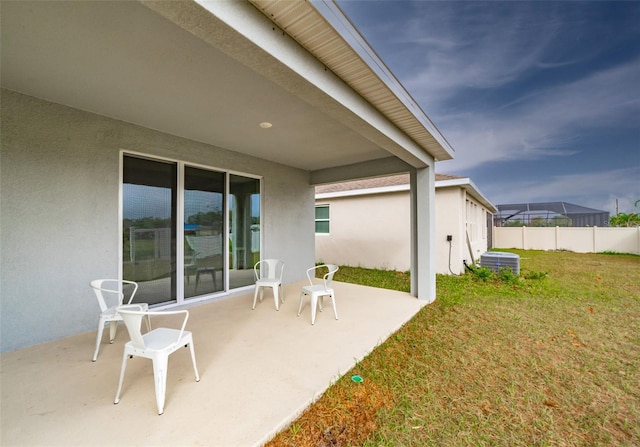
column 373, row 231
column 59, row 211
column 450, row 221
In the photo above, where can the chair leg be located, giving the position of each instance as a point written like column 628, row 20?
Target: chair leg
column 333, row 301
column 193, row 360
column 122, row 369
column 98, row 339
column 113, row 327
column 301, row 301
column 281, row 293
column 255, row 297
column 314, row 304
column 160, row 379
column 276, row 298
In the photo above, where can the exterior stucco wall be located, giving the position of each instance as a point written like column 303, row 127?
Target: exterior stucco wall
column 372, row 231
column 369, row 231
column 59, row 211
column 450, row 221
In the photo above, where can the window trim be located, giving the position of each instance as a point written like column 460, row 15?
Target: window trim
column 327, row 220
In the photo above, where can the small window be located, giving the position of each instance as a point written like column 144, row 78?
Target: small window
column 322, row 219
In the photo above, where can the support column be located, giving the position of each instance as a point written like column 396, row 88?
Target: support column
column 423, row 259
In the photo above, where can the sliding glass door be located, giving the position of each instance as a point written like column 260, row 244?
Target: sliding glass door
column 244, row 229
column 204, row 241
column 149, row 200
column 187, row 232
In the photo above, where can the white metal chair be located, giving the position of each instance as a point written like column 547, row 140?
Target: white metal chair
column 317, row 292
column 110, row 295
column 155, row 345
column 268, row 273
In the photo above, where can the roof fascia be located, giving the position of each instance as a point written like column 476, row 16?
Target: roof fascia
column 341, row 23
column 363, row 192
column 467, row 184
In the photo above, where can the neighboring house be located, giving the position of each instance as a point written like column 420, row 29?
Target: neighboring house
column 367, row 223
column 128, row 126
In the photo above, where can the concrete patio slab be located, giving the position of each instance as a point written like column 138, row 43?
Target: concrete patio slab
column 259, row 368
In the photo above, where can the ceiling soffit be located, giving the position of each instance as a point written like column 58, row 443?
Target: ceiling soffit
column 246, row 34
column 310, row 28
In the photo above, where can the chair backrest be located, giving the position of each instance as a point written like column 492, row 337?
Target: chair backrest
column 132, row 315
column 327, row 278
column 269, row 269
column 109, row 292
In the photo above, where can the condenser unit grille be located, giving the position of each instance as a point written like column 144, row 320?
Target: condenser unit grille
column 496, row 260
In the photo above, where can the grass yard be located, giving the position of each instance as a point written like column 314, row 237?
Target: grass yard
column 550, row 358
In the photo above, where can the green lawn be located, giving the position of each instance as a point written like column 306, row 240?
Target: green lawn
column 549, row 358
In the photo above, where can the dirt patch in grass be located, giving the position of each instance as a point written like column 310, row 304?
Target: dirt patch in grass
column 345, row 415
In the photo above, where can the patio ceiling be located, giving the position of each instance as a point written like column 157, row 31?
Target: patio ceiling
column 177, row 68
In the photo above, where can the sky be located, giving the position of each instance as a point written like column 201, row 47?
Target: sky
column 539, row 99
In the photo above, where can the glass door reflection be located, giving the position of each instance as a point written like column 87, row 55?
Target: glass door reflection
column 149, row 228
column 244, row 229
column 204, row 241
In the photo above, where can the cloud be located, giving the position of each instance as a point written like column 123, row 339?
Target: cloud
column 457, row 48
column 523, row 90
column 495, row 79
column 548, row 123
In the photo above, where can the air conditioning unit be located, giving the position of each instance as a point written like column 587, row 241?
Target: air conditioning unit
column 496, row 260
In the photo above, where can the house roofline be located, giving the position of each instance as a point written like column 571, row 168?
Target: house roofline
column 471, row 188
column 463, row 182
column 363, row 192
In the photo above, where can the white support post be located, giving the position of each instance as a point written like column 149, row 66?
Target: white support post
column 423, row 268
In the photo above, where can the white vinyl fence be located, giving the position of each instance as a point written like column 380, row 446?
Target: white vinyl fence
column 576, row 239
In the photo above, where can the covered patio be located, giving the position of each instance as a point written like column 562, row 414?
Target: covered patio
column 259, row 369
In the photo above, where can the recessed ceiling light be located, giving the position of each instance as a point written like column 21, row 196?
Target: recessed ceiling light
column 266, row 125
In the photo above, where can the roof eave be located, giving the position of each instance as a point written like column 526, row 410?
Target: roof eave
column 343, row 50
column 471, row 189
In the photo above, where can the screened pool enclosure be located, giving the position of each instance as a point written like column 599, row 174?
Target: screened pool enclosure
column 549, row 214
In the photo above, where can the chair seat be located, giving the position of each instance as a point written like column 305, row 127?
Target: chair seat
column 161, row 339
column 268, row 282
column 318, row 288
column 112, row 311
